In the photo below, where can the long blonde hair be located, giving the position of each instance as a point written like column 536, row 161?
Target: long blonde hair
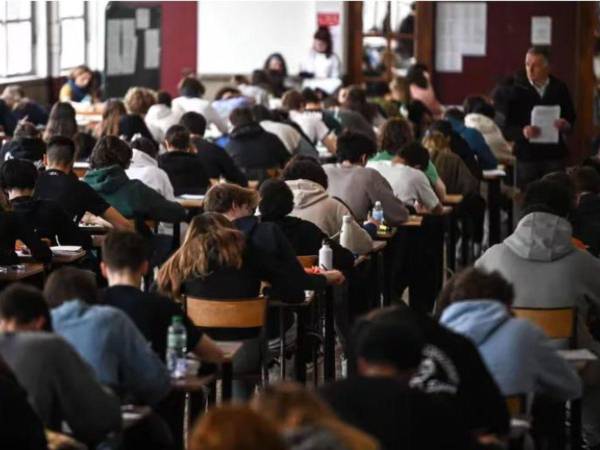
column 211, row 242
column 113, row 111
column 291, row 405
column 434, row 141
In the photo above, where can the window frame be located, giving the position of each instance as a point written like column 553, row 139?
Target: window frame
column 33, row 53
column 84, row 16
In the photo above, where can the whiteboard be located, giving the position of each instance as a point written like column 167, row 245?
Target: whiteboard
column 237, row 36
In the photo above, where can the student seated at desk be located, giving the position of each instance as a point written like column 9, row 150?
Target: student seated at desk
column 190, row 98
column 105, row 337
column 144, row 167
column 358, row 186
column 395, row 134
column 60, row 386
column 79, row 86
column 58, row 184
column 49, row 219
column 518, row 354
column 23, row 107
column 308, row 182
column 61, row 122
column 132, row 198
column 124, row 263
column 26, row 144
column 254, row 150
column 380, row 401
column 357, row 114
column 13, row 227
column 184, row 168
column 586, row 215
column 407, row 179
column 160, row 116
column 217, row 163
column 276, row 203
column 116, row 121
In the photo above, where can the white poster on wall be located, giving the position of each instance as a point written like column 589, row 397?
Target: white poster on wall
column 541, row 30
column 151, row 48
column 121, row 47
column 461, row 30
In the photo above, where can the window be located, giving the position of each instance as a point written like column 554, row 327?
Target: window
column 16, row 28
column 71, row 16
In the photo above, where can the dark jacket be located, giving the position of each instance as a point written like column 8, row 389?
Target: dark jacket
column 33, row 111
column 586, row 222
column 186, row 172
column 217, row 162
column 13, row 227
column 459, row 146
column 454, row 173
column 31, row 149
column 8, row 121
column 516, row 108
column 50, row 221
column 132, row 198
column 397, row 416
column 21, row 427
column 476, row 143
column 132, row 124
column 306, row 239
column 254, row 150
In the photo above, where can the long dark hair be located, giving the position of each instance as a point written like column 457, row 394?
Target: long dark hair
column 323, row 34
column 281, row 59
column 61, row 121
column 356, row 100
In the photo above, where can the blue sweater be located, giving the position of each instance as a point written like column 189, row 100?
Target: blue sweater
column 485, row 157
column 517, row 353
column 110, row 342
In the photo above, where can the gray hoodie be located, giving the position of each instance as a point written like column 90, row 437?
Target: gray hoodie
column 545, row 268
column 312, row 203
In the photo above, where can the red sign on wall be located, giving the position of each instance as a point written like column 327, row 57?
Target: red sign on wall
column 328, row 19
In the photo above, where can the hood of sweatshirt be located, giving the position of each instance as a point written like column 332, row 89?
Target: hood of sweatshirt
column 139, row 160
column 475, row 319
column 306, row 193
column 250, row 130
column 106, row 180
column 480, row 122
column 541, row 236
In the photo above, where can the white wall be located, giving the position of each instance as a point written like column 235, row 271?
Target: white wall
column 237, row 36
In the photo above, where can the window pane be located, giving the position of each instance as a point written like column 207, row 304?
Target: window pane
column 70, row 9
column 20, row 49
column 72, row 45
column 18, row 9
column 2, row 12
column 2, row 50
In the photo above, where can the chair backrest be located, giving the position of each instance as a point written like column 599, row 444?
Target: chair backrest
column 227, row 313
column 516, row 404
column 557, row 323
column 308, row 261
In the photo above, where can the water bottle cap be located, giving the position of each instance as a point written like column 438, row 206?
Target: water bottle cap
column 347, row 218
column 377, row 203
column 176, row 319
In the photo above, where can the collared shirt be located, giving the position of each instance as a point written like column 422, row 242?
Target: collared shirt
column 541, row 89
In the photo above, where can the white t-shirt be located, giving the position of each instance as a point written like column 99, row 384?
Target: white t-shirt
column 312, row 125
column 409, row 184
column 286, row 133
column 320, row 65
column 182, row 105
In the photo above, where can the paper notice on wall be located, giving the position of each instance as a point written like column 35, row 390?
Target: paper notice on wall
column 461, row 30
column 541, row 30
column 142, row 18
column 121, row 47
column 152, row 48
column 113, row 47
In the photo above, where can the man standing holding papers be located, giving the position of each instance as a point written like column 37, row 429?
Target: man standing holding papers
column 537, row 88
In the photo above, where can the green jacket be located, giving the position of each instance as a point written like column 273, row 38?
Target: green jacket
column 132, row 198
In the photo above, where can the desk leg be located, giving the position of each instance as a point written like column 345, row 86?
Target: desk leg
column 382, row 281
column 329, row 363
column 281, row 344
column 494, row 210
column 227, row 369
column 575, row 424
column 451, row 242
column 186, row 419
column 300, row 365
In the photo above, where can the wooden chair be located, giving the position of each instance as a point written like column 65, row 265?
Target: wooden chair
column 557, row 323
column 520, row 420
column 308, row 261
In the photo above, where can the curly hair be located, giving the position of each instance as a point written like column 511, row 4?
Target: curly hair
column 110, row 151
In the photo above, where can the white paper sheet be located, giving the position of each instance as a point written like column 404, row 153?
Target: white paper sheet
column 544, row 117
column 142, row 18
column 541, row 30
column 152, row 48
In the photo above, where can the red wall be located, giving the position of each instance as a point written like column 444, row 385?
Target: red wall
column 179, row 42
column 508, row 37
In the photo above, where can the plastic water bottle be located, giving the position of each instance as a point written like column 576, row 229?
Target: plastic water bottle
column 326, row 257
column 377, row 213
column 345, row 233
column 176, row 347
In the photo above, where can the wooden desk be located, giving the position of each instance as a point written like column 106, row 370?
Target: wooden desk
column 453, row 199
column 80, row 168
column 58, row 258
column 191, row 203
column 253, row 184
column 30, row 269
column 386, row 235
column 192, row 383
column 413, row 221
column 378, row 246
